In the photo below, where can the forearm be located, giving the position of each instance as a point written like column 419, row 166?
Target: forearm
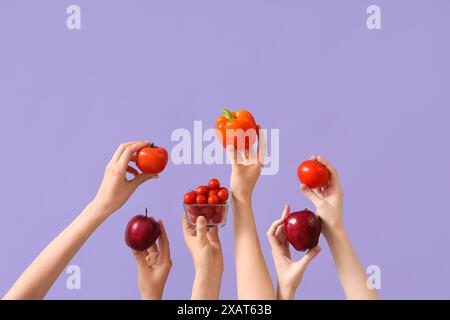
column 351, row 274
column 206, row 285
column 37, row 279
column 253, row 278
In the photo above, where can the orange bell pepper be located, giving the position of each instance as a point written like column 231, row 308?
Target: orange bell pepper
column 237, row 128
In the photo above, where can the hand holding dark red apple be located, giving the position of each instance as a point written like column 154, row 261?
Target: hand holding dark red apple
column 142, row 232
column 302, row 229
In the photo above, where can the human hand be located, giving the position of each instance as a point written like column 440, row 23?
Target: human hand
column 327, row 200
column 206, row 251
column 115, row 188
column 289, row 272
column 246, row 166
column 153, row 267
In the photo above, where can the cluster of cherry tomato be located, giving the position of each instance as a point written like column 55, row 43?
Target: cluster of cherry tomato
column 210, row 194
column 207, row 201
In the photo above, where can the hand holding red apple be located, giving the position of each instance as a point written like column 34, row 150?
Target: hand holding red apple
column 142, row 232
column 289, row 271
column 153, row 267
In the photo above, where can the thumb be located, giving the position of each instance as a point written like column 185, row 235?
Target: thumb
column 141, row 178
column 308, row 257
column 201, row 230
column 308, row 193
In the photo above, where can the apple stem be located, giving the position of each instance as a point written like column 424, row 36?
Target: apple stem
column 152, row 145
column 227, row 113
column 146, row 212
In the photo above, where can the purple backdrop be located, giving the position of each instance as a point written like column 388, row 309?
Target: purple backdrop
column 376, row 103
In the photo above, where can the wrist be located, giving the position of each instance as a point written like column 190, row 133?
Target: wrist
column 207, row 272
column 285, row 293
column 334, row 231
column 241, row 200
column 100, row 208
column 151, row 296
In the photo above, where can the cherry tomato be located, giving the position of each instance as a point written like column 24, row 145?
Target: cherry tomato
column 212, row 193
column 203, row 190
column 201, row 199
column 151, row 159
column 223, row 194
column 214, row 184
column 207, row 212
column 217, row 218
column 190, row 197
column 220, row 210
column 313, row 174
column 213, row 199
column 193, row 211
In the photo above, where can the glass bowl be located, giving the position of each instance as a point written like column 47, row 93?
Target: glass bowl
column 215, row 214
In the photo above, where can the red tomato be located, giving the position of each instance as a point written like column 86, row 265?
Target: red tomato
column 151, row 159
column 194, row 212
column 203, row 190
column 207, row 212
column 193, row 217
column 223, row 194
column 201, row 199
column 220, row 210
column 190, row 197
column 213, row 199
column 217, row 218
column 313, row 174
column 214, row 184
column 212, row 193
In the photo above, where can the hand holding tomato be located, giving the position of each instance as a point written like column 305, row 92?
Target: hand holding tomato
column 328, row 200
column 151, row 159
column 115, row 189
column 313, row 174
column 237, row 128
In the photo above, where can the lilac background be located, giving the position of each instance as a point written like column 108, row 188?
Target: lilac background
column 376, row 103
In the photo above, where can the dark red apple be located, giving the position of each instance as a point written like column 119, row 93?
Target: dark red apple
column 142, row 232
column 302, row 229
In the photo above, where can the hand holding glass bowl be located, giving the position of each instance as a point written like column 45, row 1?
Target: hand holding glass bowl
column 209, row 201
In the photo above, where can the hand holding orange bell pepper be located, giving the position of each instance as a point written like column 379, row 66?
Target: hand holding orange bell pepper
column 237, row 128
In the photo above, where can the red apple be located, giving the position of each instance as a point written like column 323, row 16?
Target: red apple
column 142, row 232
column 302, row 229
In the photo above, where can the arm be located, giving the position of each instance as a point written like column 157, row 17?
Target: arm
column 114, row 191
column 153, row 267
column 204, row 245
column 328, row 202
column 289, row 272
column 253, row 278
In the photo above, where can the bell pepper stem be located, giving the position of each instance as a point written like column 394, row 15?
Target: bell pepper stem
column 227, row 113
